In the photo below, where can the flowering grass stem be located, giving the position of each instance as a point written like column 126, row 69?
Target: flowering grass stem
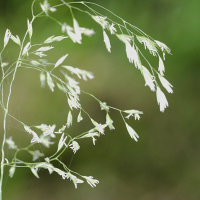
column 45, row 134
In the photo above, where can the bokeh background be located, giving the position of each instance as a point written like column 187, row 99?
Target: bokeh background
column 165, row 163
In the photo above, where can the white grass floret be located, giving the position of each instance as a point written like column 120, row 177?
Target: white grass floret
column 107, row 41
column 168, row 86
column 161, row 99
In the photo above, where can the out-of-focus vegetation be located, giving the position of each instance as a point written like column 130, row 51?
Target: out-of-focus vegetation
column 165, row 162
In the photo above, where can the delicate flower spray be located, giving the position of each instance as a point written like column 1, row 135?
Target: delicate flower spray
column 31, row 56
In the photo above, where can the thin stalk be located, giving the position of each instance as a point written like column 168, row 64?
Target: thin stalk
column 4, row 127
column 6, row 114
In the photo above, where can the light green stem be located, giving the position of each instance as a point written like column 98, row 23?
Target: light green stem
column 6, row 114
column 4, row 127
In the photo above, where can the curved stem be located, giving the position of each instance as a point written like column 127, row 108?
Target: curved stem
column 6, row 112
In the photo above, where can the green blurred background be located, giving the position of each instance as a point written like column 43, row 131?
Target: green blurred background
column 165, row 163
